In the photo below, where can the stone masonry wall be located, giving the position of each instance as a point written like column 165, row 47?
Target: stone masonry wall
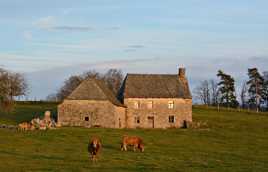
column 160, row 112
column 90, row 113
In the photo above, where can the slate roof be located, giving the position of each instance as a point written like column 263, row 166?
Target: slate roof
column 93, row 89
column 154, row 86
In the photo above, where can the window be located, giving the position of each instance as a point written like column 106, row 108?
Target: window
column 137, row 119
column 136, row 105
column 150, row 105
column 86, row 118
column 170, row 104
column 171, row 119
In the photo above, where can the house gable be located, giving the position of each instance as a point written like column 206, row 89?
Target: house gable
column 93, row 89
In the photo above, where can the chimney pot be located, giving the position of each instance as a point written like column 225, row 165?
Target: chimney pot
column 182, row 72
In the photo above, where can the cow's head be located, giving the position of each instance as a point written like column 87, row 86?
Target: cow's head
column 95, row 143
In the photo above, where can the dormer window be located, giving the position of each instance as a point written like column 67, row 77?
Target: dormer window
column 171, row 104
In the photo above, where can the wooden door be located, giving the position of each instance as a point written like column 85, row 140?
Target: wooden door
column 150, row 121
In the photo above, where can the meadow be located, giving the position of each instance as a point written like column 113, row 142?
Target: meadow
column 226, row 141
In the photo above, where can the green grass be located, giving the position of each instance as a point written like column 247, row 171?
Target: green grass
column 27, row 111
column 231, row 141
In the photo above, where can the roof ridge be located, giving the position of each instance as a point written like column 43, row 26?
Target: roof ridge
column 154, row 86
column 154, row 74
column 101, row 85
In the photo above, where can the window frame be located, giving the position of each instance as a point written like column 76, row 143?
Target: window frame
column 171, row 119
column 86, row 118
column 137, row 119
column 171, row 104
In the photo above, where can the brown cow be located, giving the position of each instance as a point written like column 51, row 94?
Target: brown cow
column 94, row 147
column 134, row 141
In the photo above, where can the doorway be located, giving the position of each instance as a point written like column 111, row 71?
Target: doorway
column 150, row 121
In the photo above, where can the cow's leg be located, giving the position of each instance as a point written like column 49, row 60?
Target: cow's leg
column 134, row 147
column 93, row 157
column 125, row 147
column 96, row 158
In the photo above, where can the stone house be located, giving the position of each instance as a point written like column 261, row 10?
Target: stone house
column 143, row 101
column 156, row 101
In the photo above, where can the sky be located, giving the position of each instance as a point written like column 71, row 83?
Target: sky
column 50, row 40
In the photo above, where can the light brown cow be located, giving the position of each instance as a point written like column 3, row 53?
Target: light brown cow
column 94, row 148
column 134, row 141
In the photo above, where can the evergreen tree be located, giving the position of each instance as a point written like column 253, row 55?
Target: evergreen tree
column 227, row 90
column 255, row 84
column 265, row 94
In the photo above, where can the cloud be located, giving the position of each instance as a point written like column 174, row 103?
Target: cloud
column 46, row 22
column 136, row 46
column 51, row 79
column 120, row 63
column 49, row 23
column 113, row 28
column 73, row 28
column 48, row 76
column 25, row 63
column 133, row 48
column 258, row 59
column 27, row 35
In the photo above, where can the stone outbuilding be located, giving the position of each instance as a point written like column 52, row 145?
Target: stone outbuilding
column 143, row 101
column 92, row 104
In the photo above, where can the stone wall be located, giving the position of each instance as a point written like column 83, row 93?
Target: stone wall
column 120, row 117
column 158, row 115
column 151, row 113
column 91, row 113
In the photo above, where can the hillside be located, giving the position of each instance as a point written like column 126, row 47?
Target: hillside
column 226, row 141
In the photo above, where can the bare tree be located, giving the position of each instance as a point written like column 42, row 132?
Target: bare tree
column 12, row 85
column 113, row 78
column 91, row 74
column 214, row 92
column 4, row 85
column 18, row 85
column 202, row 92
column 69, row 85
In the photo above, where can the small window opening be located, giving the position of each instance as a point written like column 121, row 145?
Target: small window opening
column 137, row 119
column 86, row 118
column 171, row 119
column 171, row 105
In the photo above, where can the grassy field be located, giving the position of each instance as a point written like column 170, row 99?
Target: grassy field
column 230, row 141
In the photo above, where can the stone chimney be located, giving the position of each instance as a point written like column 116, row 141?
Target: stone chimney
column 182, row 72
